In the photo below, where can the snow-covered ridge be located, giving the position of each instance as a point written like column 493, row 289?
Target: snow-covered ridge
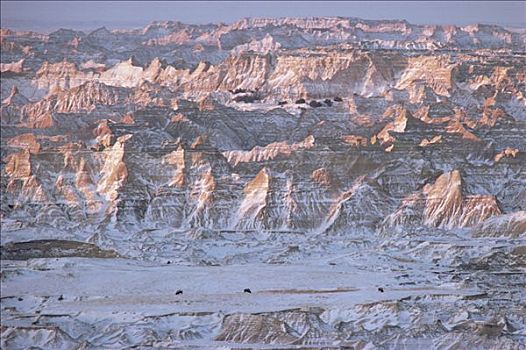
column 296, row 182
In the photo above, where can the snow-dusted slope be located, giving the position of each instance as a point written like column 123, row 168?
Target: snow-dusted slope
column 214, row 158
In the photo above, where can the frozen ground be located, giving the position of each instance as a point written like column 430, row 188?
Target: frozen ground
column 181, row 157
column 329, row 300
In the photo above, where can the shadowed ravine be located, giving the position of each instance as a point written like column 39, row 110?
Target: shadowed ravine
column 365, row 180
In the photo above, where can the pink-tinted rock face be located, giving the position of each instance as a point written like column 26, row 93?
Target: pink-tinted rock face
column 311, row 117
column 384, row 159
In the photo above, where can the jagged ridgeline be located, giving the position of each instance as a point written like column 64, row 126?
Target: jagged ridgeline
column 364, row 180
column 193, row 126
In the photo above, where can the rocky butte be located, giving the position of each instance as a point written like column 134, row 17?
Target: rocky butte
column 314, row 160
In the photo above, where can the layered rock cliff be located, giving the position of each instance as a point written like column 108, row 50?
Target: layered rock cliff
column 378, row 145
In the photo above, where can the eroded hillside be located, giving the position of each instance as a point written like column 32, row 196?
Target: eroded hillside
column 343, row 144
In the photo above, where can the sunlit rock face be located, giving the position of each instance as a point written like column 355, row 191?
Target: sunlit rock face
column 378, row 147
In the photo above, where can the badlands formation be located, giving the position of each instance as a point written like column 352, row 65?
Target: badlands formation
column 365, row 179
